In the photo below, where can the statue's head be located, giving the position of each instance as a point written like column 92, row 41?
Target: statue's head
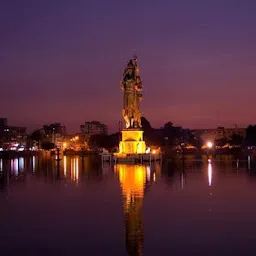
column 131, row 61
column 129, row 69
column 130, row 64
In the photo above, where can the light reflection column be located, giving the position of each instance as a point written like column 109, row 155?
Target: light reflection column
column 182, row 180
column 15, row 167
column 132, row 179
column 1, row 165
column 210, row 173
column 33, row 164
column 71, row 168
column 249, row 162
column 65, row 165
column 75, row 169
column 21, row 164
column 148, row 173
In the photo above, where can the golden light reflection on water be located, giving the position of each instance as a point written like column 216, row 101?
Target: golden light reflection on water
column 75, row 169
column 133, row 181
column 65, row 166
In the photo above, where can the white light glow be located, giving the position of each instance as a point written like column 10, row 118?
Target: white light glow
column 21, row 163
column 33, row 164
column 74, row 169
column 148, row 173
column 15, row 166
column 210, row 174
column 209, row 144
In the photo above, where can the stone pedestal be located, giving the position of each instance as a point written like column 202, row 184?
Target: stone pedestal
column 132, row 142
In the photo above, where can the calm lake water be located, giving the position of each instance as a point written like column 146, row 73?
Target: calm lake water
column 83, row 208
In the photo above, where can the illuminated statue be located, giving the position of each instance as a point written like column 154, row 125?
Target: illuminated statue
column 132, row 88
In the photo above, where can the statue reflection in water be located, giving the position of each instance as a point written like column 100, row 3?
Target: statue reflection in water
column 133, row 179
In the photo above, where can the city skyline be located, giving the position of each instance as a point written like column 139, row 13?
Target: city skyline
column 63, row 61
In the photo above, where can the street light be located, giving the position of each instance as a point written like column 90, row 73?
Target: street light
column 209, row 144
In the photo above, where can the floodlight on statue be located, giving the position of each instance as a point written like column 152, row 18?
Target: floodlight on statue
column 148, row 150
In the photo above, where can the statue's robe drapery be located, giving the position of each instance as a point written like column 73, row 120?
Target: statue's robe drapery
column 132, row 87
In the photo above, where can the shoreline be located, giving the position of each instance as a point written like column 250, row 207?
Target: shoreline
column 165, row 154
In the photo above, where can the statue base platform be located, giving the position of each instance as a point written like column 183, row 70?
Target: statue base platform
column 132, row 148
column 136, row 158
column 132, row 142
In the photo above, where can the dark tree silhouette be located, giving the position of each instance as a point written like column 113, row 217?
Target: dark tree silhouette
column 146, row 126
column 251, row 135
column 48, row 145
column 37, row 136
column 221, row 142
column 168, row 126
column 102, row 141
column 236, row 140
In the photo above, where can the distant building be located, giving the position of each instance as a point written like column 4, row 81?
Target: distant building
column 3, row 122
column 11, row 134
column 94, row 128
column 218, row 133
column 54, row 132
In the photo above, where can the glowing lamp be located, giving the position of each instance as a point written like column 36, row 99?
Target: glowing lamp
column 147, row 150
column 209, row 144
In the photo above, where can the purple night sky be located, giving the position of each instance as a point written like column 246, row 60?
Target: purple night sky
column 62, row 60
